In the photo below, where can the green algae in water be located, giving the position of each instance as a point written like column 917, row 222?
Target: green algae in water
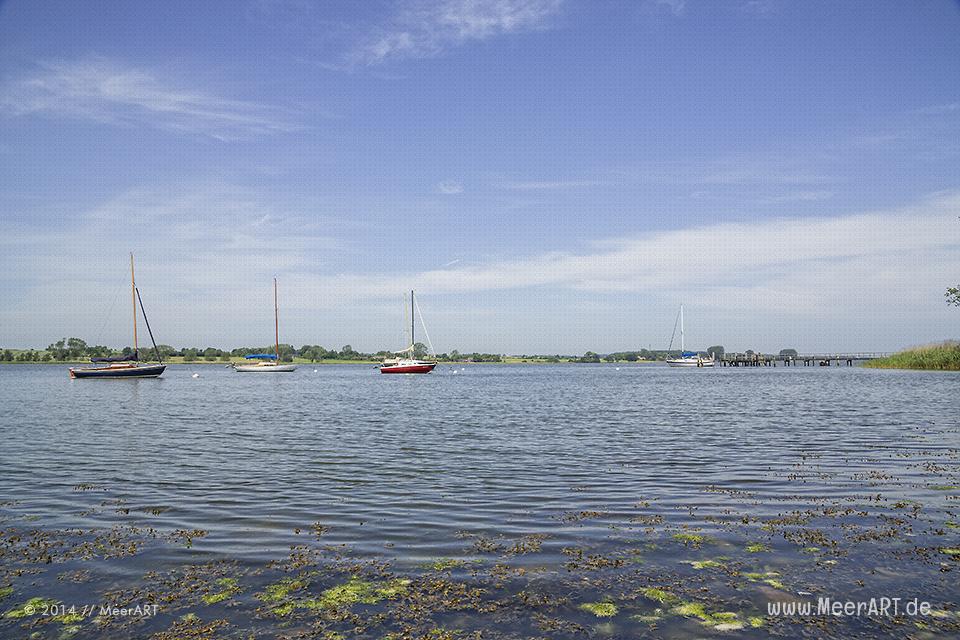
column 600, row 609
column 228, row 589
column 945, row 487
column 69, row 618
column 757, row 547
column 445, row 564
column 343, row 596
column 771, row 578
column 280, row 591
column 5, row 592
column 694, row 539
column 950, row 552
column 756, row 621
column 31, row 607
column 649, row 618
column 660, row 595
column 721, row 621
column 705, row 564
column 69, row 632
column 358, row 591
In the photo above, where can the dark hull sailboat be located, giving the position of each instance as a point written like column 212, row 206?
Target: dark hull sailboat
column 125, row 366
column 128, row 370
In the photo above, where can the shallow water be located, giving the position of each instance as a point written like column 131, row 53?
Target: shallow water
column 525, row 491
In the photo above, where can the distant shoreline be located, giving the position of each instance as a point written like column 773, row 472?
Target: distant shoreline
column 298, row 361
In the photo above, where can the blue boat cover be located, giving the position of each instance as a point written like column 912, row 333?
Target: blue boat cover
column 131, row 358
column 688, row 354
column 261, row 356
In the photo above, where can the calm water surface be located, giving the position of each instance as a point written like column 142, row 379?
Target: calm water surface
column 505, row 501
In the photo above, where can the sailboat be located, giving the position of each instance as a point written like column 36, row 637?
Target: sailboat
column 268, row 362
column 687, row 358
column 409, row 364
column 126, row 366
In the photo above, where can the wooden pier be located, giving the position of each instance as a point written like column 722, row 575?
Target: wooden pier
column 808, row 360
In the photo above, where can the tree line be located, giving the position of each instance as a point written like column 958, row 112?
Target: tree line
column 73, row 349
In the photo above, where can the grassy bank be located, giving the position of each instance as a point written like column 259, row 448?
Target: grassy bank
column 940, row 357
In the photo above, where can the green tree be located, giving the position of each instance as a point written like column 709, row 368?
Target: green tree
column 98, row 351
column 788, row 353
column 77, row 348
column 59, row 349
column 166, row 350
column 7, row 355
column 454, row 356
column 420, row 350
column 953, row 296
column 717, row 351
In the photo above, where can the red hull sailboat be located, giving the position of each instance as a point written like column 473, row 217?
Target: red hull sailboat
column 409, row 364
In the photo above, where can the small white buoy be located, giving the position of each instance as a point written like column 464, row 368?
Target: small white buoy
column 618, row 368
column 196, row 375
column 315, row 370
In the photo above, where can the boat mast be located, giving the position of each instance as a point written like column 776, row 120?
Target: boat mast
column 133, row 298
column 276, row 320
column 682, row 348
column 413, row 317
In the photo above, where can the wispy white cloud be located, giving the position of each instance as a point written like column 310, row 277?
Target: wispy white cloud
column 429, row 27
column 938, row 109
column 795, row 196
column 105, row 91
column 208, row 249
column 450, row 187
column 550, row 185
column 758, row 7
column 786, row 261
column 677, row 7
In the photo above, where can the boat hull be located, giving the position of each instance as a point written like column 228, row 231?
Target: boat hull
column 409, row 368
column 260, row 368
column 690, row 362
column 137, row 371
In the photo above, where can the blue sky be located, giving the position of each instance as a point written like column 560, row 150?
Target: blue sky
column 551, row 175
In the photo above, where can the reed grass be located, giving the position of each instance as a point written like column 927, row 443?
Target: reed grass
column 943, row 356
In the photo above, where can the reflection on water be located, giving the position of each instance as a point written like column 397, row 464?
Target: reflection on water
column 556, row 490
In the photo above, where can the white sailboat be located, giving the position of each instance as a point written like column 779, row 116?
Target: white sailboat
column 688, row 358
column 268, row 362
